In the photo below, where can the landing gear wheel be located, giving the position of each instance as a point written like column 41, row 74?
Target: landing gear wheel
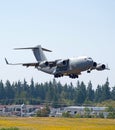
column 73, row 76
column 58, row 75
column 88, row 71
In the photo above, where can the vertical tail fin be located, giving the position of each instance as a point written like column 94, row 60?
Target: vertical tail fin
column 38, row 52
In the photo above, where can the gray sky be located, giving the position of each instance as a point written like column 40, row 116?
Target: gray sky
column 70, row 28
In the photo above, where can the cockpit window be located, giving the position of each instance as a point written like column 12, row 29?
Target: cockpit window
column 85, row 58
column 89, row 58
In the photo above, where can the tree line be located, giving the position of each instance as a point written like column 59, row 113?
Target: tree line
column 54, row 93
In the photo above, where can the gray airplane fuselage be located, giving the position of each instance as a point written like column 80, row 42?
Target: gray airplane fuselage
column 74, row 66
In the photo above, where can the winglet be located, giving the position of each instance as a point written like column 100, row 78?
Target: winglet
column 6, row 61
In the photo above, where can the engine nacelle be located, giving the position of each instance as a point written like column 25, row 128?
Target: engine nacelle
column 61, row 63
column 94, row 64
column 44, row 64
column 100, row 67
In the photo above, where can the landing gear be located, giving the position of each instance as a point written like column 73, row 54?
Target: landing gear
column 89, row 71
column 73, row 76
column 58, row 75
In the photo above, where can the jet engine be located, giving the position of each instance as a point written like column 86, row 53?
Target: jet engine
column 61, row 63
column 94, row 64
column 44, row 64
column 100, row 67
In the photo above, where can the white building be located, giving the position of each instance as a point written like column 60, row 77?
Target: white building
column 73, row 110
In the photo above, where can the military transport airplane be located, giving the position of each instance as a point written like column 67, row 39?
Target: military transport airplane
column 71, row 67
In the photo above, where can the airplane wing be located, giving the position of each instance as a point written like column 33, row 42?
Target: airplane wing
column 30, row 64
column 36, row 64
column 24, row 64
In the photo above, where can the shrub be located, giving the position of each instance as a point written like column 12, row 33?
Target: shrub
column 66, row 114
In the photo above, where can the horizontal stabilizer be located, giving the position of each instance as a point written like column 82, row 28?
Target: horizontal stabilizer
column 44, row 49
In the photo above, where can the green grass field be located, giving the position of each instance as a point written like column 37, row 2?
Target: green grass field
column 34, row 123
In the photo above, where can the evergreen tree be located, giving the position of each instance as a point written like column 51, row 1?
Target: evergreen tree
column 90, row 92
column 25, row 91
column 106, row 91
column 2, row 90
column 41, row 91
column 54, row 93
column 113, row 93
column 9, row 92
column 32, row 89
column 80, row 93
column 70, row 92
column 84, row 92
column 98, row 94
